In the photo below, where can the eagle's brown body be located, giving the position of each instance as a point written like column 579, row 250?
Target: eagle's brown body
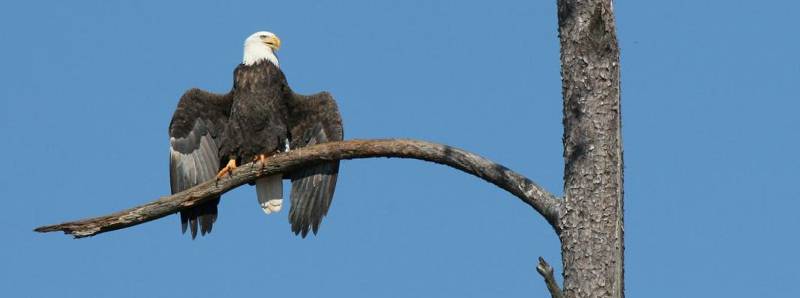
column 258, row 116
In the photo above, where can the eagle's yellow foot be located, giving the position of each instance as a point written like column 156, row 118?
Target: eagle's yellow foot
column 262, row 160
column 228, row 169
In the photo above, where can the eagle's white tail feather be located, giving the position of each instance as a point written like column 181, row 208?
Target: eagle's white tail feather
column 270, row 193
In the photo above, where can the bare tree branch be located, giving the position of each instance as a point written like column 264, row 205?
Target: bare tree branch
column 547, row 272
column 525, row 189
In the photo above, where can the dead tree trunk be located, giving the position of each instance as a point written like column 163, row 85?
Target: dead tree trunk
column 588, row 220
column 591, row 222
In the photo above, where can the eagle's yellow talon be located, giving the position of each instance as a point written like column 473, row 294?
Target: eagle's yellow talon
column 262, row 159
column 228, row 169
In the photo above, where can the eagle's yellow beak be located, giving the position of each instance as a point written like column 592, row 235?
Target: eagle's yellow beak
column 272, row 41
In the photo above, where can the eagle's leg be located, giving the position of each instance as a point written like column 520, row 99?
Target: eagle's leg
column 228, row 169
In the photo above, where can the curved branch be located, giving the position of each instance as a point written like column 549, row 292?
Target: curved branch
column 525, row 189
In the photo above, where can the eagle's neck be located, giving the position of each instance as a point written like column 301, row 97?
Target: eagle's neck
column 262, row 75
column 256, row 52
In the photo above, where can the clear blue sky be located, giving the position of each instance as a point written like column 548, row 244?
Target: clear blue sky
column 709, row 92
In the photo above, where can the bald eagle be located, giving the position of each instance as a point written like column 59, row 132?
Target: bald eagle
column 211, row 133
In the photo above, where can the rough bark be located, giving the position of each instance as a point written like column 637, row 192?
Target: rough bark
column 525, row 189
column 592, row 223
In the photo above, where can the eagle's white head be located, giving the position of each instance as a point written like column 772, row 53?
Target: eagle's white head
column 260, row 46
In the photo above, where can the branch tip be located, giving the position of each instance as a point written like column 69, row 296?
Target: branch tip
column 546, row 271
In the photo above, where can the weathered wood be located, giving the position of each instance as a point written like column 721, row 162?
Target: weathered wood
column 592, row 223
column 525, row 189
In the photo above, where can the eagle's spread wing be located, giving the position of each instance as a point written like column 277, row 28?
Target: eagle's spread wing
column 314, row 119
column 194, row 133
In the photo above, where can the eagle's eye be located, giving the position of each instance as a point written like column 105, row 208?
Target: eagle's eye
column 263, row 36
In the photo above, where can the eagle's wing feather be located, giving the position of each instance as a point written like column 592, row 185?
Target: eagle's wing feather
column 194, row 135
column 314, row 119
